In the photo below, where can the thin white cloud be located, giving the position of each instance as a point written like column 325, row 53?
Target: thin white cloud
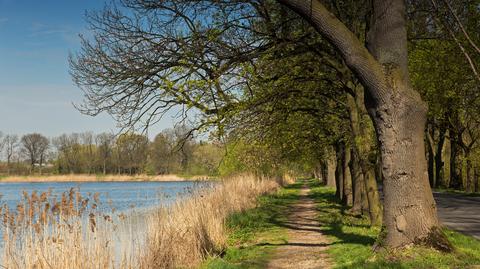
column 40, row 29
column 65, row 32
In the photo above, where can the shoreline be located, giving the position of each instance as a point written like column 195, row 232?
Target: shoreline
column 101, row 178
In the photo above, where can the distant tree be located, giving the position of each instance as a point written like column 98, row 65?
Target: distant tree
column 184, row 145
column 11, row 143
column 35, row 147
column 105, row 143
column 206, row 158
column 2, row 142
column 162, row 155
column 68, row 148
column 89, row 151
column 132, row 152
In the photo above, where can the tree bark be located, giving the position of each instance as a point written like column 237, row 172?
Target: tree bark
column 339, row 149
column 456, row 181
column 367, row 158
column 358, row 184
column 331, row 163
column 430, row 156
column 359, row 149
column 476, row 178
column 398, row 113
column 470, row 181
column 324, row 171
column 439, row 165
column 375, row 208
column 347, row 177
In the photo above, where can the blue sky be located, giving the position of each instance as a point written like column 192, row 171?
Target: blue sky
column 36, row 91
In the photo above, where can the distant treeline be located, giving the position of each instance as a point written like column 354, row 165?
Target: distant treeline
column 171, row 152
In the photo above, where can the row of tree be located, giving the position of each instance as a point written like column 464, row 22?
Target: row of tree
column 340, row 88
column 171, row 151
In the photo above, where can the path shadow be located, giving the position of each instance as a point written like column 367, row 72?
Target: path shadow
column 332, row 227
column 294, row 244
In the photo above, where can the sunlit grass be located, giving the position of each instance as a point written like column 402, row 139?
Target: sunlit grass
column 254, row 233
column 352, row 240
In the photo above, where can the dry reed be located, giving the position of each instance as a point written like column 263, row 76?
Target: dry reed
column 186, row 233
column 45, row 233
column 95, row 178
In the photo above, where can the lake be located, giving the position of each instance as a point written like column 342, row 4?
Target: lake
column 132, row 199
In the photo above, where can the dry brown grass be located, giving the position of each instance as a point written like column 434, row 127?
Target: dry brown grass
column 46, row 233
column 186, row 233
column 95, row 178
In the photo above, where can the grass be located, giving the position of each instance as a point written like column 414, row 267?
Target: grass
column 254, row 233
column 352, row 240
column 462, row 192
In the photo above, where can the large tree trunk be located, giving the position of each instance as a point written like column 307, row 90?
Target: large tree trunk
column 398, row 113
column 409, row 208
column 400, row 117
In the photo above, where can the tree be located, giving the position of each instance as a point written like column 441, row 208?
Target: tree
column 89, row 151
column 69, row 157
column 2, row 142
column 35, row 147
column 164, row 157
column 398, row 113
column 105, row 143
column 132, row 152
column 147, row 61
column 11, row 143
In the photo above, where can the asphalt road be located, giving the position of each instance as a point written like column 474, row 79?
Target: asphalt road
column 459, row 212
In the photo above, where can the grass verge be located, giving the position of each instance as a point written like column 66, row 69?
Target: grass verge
column 460, row 192
column 352, row 240
column 253, row 233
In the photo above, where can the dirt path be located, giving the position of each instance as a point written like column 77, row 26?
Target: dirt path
column 306, row 246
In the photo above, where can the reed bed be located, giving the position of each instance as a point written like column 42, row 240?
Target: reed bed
column 45, row 231
column 70, row 232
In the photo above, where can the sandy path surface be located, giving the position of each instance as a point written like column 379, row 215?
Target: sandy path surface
column 306, row 246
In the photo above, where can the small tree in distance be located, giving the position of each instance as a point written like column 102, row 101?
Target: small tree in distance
column 35, row 147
